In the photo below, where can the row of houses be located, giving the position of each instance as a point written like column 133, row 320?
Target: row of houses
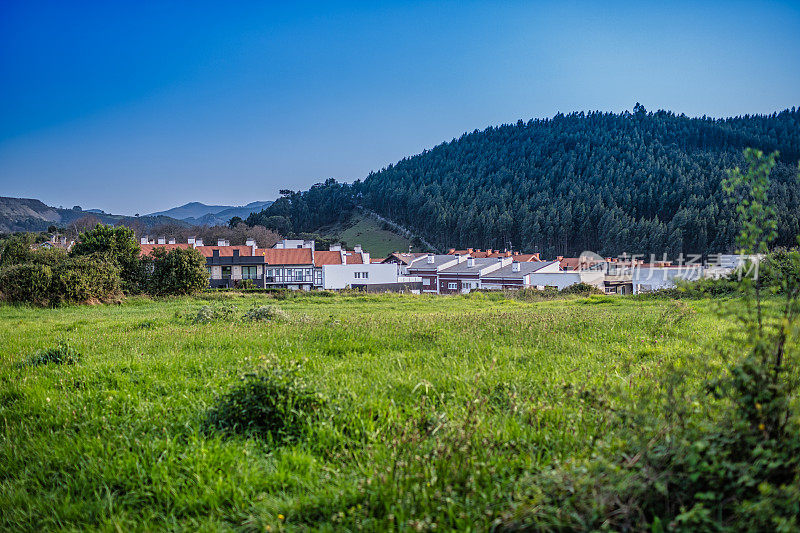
column 297, row 265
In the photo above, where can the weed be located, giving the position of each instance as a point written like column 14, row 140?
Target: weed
column 63, row 354
column 265, row 312
column 274, row 403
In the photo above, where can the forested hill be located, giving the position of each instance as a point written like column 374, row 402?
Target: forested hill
column 633, row 182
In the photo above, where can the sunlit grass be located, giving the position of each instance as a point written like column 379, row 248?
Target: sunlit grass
column 435, row 406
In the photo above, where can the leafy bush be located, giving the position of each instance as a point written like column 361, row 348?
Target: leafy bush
column 63, row 354
column 273, row 403
column 266, row 312
column 176, row 272
column 582, row 288
column 54, row 278
column 116, row 245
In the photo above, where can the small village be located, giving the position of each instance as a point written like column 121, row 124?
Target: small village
column 297, row 265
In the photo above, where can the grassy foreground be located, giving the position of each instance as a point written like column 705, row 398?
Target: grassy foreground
column 436, row 410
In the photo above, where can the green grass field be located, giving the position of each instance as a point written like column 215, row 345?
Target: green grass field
column 435, row 410
column 367, row 231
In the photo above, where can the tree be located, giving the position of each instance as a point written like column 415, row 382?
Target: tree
column 233, row 222
column 117, row 245
column 177, row 272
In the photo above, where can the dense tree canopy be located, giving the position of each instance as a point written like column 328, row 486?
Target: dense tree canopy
column 638, row 182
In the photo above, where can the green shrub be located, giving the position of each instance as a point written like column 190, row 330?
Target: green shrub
column 27, row 282
column 266, row 312
column 63, row 354
column 176, row 272
column 54, row 278
column 273, row 403
column 582, row 288
column 116, row 245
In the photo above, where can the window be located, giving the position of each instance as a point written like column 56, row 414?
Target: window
column 452, row 285
column 426, row 281
column 356, row 275
column 249, row 272
column 226, row 272
column 361, row 275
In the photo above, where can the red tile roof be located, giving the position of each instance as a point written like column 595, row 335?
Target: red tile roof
column 286, row 256
column 324, row 257
column 354, row 259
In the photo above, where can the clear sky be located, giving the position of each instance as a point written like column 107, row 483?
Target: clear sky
column 138, row 107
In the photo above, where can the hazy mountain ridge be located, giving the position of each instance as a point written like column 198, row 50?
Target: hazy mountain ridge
column 29, row 214
column 198, row 213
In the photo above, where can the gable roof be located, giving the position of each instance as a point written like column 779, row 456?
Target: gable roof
column 464, row 268
column 507, row 272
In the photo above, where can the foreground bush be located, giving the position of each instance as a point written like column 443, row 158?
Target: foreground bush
column 176, row 272
column 53, row 278
column 273, row 403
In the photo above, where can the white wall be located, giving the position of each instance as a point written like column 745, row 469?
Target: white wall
column 343, row 276
column 655, row 278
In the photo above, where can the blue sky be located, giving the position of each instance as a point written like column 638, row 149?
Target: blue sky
column 136, row 107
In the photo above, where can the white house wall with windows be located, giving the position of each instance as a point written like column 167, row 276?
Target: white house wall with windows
column 344, row 276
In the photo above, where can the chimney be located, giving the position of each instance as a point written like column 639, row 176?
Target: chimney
column 357, row 248
column 469, row 250
column 143, row 240
column 190, row 240
column 451, row 251
column 172, row 240
column 223, row 242
column 471, row 262
column 162, row 240
column 431, row 259
column 198, row 242
column 365, row 257
column 335, row 247
column 252, row 244
column 515, row 266
column 63, row 240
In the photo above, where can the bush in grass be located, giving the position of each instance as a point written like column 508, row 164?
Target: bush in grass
column 582, row 289
column 115, row 245
column 273, row 403
column 52, row 278
column 176, row 272
column 266, row 312
column 63, row 354
column 209, row 313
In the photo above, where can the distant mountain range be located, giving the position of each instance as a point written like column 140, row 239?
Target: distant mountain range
column 28, row 214
column 199, row 214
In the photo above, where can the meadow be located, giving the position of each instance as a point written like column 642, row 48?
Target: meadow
column 430, row 412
